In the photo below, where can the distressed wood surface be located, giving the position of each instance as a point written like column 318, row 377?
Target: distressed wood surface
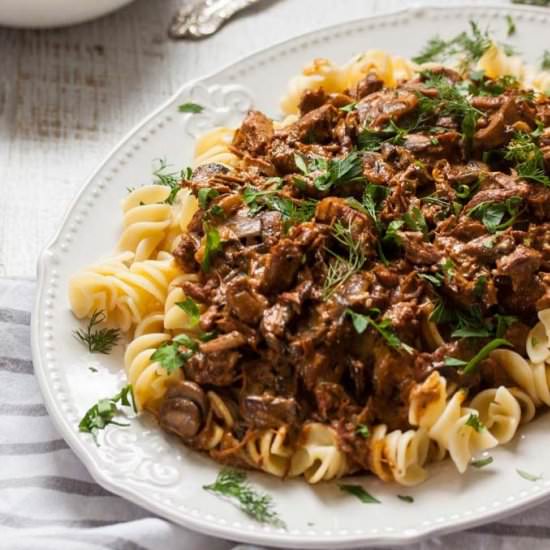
column 67, row 96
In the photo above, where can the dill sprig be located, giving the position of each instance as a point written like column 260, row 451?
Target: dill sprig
column 233, row 484
column 468, row 46
column 100, row 340
column 341, row 268
column 525, row 153
column 171, row 179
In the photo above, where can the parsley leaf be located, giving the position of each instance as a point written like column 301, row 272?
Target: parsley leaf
column 482, row 462
column 233, row 484
column 192, row 310
column 205, row 195
column 101, row 340
column 102, row 413
column 212, row 246
column 169, row 357
column 475, row 423
column 525, row 153
column 415, row 221
column 359, row 492
column 492, row 214
column 545, row 62
column 511, row 26
column 453, row 362
column 384, row 328
column 406, row 498
column 190, row 108
column 333, row 172
column 362, row 430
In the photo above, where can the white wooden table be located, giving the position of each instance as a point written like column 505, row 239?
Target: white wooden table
column 67, row 96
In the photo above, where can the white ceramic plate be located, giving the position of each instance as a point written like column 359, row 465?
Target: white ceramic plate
column 54, row 13
column 160, row 474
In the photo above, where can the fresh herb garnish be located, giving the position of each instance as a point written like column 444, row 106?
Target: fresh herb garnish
column 475, row 423
column 192, row 310
column 362, row 430
column 384, row 328
column 333, row 172
column 171, row 179
column 415, row 221
column 436, row 279
column 102, row 413
column 349, row 107
column 342, row 267
column 233, row 484
column 528, row 476
column 190, row 107
column 492, row 214
column 479, row 287
column 212, row 246
column 468, row 46
column 406, row 498
column 484, row 353
column 453, row 362
column 511, row 26
column 372, row 140
column 359, row 492
column 170, row 355
column 482, row 462
column 545, row 62
column 525, row 153
column 205, row 195
column 100, row 340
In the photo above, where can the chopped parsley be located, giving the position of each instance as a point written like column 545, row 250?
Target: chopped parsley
column 192, row 310
column 233, row 485
column 545, row 62
column 384, row 328
column 333, row 172
column 454, row 362
column 362, row 430
column 475, row 423
column 492, row 214
column 482, row 462
column 415, row 221
column 102, row 413
column 359, row 492
column 479, row 287
column 349, row 107
column 98, row 340
column 170, row 355
column 406, row 498
column 528, row 476
column 212, row 246
column 205, row 195
column 190, row 107
column 511, row 26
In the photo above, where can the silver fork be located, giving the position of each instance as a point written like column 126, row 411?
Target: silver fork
column 205, row 17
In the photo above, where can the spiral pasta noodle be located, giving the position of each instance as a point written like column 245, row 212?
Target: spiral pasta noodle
column 318, row 456
column 213, row 146
column 399, row 456
column 268, row 451
column 148, row 378
column 146, row 219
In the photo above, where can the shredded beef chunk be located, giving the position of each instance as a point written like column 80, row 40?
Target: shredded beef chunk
column 383, row 236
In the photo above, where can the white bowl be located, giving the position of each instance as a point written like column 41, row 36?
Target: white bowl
column 54, row 13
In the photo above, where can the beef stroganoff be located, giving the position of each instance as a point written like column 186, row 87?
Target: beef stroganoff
column 362, row 286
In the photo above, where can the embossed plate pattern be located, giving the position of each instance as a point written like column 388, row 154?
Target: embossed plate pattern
column 143, row 465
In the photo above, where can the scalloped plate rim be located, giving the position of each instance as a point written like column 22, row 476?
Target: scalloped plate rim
column 280, row 538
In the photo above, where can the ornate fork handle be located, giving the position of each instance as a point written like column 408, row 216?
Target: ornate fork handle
column 205, row 18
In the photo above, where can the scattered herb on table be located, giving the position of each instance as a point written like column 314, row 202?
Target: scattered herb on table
column 406, row 498
column 98, row 340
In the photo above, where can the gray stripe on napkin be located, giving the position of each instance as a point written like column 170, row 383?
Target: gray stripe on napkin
column 32, row 448
column 15, row 316
column 56, row 483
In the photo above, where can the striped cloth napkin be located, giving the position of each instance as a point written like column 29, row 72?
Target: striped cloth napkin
column 48, row 501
